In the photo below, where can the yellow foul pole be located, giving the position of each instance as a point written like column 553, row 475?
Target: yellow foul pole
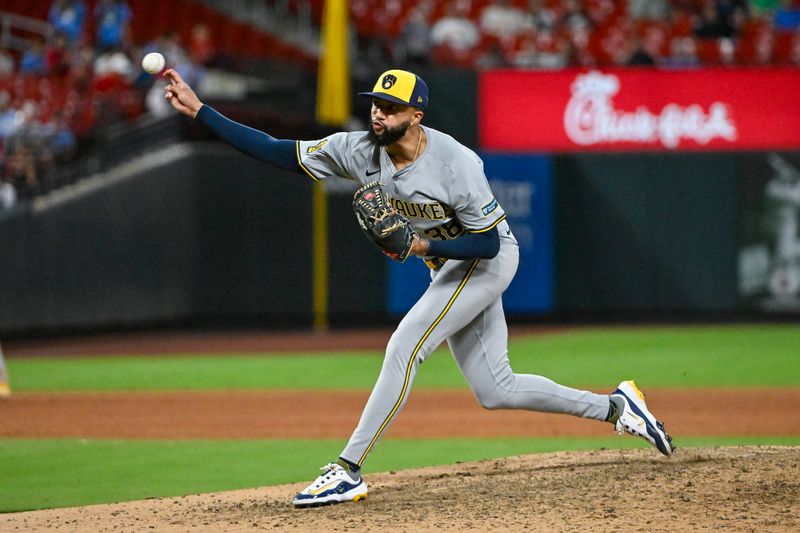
column 333, row 109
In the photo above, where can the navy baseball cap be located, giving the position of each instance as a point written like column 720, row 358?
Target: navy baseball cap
column 400, row 87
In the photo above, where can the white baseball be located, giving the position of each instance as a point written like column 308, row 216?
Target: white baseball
column 153, row 63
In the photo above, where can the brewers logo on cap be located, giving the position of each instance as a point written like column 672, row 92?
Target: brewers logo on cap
column 388, row 81
column 400, row 87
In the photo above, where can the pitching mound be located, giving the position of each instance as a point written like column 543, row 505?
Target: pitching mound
column 736, row 489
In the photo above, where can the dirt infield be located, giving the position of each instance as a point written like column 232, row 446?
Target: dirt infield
column 730, row 489
column 334, row 414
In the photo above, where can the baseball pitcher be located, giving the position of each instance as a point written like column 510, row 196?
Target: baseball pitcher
column 424, row 194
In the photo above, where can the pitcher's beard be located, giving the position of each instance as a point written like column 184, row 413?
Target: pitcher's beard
column 389, row 135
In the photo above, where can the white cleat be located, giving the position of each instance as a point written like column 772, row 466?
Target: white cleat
column 636, row 419
column 334, row 485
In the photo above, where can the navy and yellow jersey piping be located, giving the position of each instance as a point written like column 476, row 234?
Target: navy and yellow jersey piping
column 487, row 228
column 300, row 162
column 413, row 356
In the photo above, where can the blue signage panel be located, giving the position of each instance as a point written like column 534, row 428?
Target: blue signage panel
column 523, row 186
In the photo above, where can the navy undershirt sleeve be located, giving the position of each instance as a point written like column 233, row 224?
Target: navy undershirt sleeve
column 280, row 152
column 470, row 246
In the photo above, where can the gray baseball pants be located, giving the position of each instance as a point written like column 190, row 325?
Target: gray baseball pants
column 463, row 306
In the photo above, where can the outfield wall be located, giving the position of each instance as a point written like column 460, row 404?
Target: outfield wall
column 207, row 237
column 214, row 238
column 646, row 232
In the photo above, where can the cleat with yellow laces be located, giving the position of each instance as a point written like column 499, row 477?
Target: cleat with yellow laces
column 636, row 419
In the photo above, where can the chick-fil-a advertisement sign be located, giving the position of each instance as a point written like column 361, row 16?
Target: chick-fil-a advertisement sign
column 618, row 110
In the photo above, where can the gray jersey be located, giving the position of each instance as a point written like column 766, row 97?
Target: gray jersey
column 444, row 193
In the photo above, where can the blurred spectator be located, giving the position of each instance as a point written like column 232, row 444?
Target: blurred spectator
column 710, row 25
column 414, row 43
column 63, row 142
column 113, row 19
column 539, row 17
column 20, row 170
column 764, row 47
column 573, row 15
column 682, row 53
column 794, row 53
column 734, row 12
column 526, row 54
column 652, row 10
column 544, row 50
column 640, row 56
column 553, row 50
column 787, row 17
column 79, row 112
column 6, row 62
column 32, row 60
column 56, row 56
column 201, row 47
column 616, row 45
column 114, row 63
column 25, row 147
column 81, row 64
column 169, row 44
column 8, row 194
column 727, row 51
column 494, row 55
column 601, row 12
column 9, row 119
column 654, row 41
column 155, row 103
column 582, row 55
column 68, row 18
column 501, row 20
column 455, row 29
column 113, row 81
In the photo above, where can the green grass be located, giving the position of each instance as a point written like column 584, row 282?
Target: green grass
column 747, row 355
column 46, row 473
column 49, row 473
